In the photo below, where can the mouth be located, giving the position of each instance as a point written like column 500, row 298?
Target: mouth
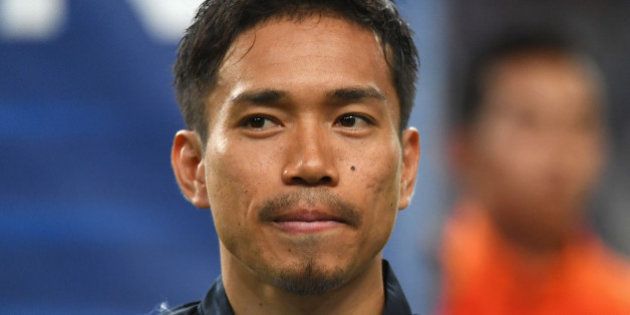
column 307, row 222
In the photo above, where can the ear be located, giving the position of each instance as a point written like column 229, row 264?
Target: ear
column 410, row 159
column 189, row 168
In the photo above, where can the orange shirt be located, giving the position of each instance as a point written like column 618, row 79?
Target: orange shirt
column 483, row 275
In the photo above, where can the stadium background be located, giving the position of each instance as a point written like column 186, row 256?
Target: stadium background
column 91, row 220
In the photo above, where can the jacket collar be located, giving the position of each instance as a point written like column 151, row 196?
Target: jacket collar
column 216, row 301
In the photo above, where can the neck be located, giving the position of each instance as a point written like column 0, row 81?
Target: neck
column 364, row 294
column 537, row 249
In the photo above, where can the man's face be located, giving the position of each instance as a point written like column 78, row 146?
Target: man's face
column 538, row 144
column 304, row 166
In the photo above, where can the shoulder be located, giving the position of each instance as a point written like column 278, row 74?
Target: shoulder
column 215, row 303
column 186, row 309
column 607, row 275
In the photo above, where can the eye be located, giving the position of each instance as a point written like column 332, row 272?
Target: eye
column 258, row 122
column 354, row 121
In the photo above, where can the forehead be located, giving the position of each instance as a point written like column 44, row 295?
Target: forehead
column 318, row 52
column 325, row 34
column 547, row 82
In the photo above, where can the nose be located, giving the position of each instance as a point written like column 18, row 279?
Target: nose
column 310, row 160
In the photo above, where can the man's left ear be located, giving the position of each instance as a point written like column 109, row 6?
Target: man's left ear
column 410, row 159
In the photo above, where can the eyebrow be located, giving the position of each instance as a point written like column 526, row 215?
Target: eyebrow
column 261, row 97
column 271, row 97
column 355, row 94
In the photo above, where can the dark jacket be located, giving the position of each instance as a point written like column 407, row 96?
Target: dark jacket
column 216, row 301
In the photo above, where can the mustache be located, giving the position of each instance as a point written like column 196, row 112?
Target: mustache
column 312, row 197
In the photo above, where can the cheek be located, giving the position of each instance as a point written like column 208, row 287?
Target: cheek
column 375, row 182
column 584, row 164
column 237, row 170
column 233, row 179
column 511, row 154
column 503, row 166
column 223, row 191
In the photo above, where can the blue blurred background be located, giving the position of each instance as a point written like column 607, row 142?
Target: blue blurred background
column 91, row 219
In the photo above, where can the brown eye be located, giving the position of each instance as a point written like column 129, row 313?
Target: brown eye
column 258, row 122
column 353, row 121
column 348, row 121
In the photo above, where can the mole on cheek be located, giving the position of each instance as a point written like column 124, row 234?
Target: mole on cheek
column 352, row 168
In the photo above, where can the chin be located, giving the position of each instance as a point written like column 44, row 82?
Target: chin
column 308, row 276
column 539, row 233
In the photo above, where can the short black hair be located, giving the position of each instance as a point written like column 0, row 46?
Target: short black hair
column 218, row 23
column 513, row 43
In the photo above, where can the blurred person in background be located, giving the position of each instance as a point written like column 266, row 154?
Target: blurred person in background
column 527, row 149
